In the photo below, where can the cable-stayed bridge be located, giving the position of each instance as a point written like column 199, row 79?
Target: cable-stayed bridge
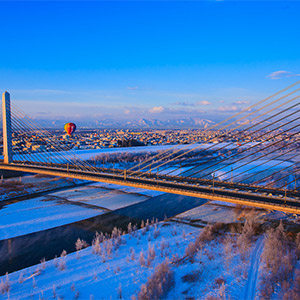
column 250, row 158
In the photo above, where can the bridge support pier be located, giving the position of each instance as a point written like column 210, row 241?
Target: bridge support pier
column 6, row 117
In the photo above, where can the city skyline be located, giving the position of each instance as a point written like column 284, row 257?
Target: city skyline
column 167, row 60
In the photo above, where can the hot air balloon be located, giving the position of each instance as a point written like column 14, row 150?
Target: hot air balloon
column 70, row 128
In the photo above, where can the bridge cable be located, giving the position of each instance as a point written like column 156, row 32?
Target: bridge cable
column 259, row 150
column 284, row 146
column 59, row 149
column 274, row 165
column 247, row 149
column 229, row 118
column 201, row 145
column 232, row 143
column 22, row 126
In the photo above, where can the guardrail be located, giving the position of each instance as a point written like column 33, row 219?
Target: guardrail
column 149, row 183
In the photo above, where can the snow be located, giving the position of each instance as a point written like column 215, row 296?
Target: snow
column 56, row 209
column 34, row 184
column 94, row 278
column 249, row 168
column 98, row 196
column 88, row 154
column 209, row 213
column 251, row 284
column 38, row 214
column 129, row 189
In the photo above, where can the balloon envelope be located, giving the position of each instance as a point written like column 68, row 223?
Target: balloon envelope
column 70, row 128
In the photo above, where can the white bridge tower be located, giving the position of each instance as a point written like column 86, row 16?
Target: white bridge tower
column 6, row 117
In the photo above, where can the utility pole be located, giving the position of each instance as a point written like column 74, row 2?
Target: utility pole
column 213, row 183
column 6, row 117
column 124, row 174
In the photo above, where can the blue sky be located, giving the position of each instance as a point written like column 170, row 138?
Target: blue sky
column 146, row 59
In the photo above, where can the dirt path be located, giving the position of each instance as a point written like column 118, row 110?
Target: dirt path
column 250, row 290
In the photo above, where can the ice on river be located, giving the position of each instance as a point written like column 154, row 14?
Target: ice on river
column 39, row 214
column 60, row 208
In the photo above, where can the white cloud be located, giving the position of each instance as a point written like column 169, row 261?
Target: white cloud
column 240, row 102
column 132, row 87
column 228, row 108
column 156, row 110
column 282, row 74
column 204, row 102
column 185, row 103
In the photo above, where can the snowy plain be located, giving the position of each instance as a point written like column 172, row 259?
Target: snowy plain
column 88, row 275
column 63, row 207
column 88, row 154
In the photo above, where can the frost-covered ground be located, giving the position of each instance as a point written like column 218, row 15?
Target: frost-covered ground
column 64, row 207
column 88, row 154
column 26, row 185
column 250, row 167
column 211, row 262
column 38, row 214
column 209, row 213
column 87, row 275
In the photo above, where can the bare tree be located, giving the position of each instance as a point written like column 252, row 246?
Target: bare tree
column 142, row 259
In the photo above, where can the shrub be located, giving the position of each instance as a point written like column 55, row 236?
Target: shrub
column 129, row 228
column 228, row 248
column 21, row 278
column 156, row 232
column 163, row 246
column 142, row 259
column 43, row 263
column 5, row 285
column 219, row 281
column 191, row 251
column 132, row 252
column 96, row 246
column 159, row 283
column 279, row 259
column 191, row 277
column 80, row 244
column 62, row 264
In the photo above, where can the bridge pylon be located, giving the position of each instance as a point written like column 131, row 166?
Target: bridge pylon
column 6, row 117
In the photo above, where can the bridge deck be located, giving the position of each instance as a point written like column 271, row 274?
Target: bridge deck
column 171, row 185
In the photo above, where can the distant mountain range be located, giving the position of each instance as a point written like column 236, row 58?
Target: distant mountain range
column 138, row 123
column 147, row 123
column 157, row 124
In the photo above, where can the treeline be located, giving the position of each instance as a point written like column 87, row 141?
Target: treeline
column 138, row 157
column 130, row 143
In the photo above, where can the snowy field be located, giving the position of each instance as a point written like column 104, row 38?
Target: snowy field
column 209, row 213
column 26, row 185
column 88, row 154
column 38, row 214
column 120, row 273
column 250, row 168
column 56, row 209
column 98, row 196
